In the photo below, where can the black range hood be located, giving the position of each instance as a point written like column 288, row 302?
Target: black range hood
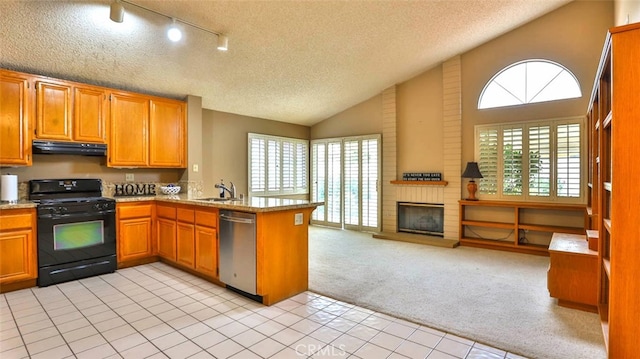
column 69, row 148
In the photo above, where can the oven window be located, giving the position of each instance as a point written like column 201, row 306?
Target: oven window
column 77, row 235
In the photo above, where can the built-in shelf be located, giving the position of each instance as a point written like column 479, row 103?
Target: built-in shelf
column 518, row 214
column 607, row 267
column 607, row 186
column 607, row 224
column 421, row 183
column 607, row 120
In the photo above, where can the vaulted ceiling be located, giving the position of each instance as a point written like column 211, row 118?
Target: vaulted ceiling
column 291, row 61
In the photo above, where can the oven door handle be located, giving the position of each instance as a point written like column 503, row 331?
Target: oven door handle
column 55, row 216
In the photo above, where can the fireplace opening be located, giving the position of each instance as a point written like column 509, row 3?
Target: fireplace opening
column 421, row 218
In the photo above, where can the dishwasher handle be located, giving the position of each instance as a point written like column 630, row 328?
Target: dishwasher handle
column 236, row 219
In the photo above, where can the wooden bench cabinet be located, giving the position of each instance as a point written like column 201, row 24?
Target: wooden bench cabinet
column 573, row 272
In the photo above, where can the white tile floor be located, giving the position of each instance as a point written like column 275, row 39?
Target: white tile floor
column 156, row 311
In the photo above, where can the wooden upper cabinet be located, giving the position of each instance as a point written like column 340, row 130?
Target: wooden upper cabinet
column 53, row 114
column 128, row 135
column 67, row 111
column 167, row 146
column 147, row 132
column 15, row 102
column 90, row 114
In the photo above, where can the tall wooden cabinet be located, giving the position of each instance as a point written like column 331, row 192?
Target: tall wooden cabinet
column 614, row 115
column 15, row 117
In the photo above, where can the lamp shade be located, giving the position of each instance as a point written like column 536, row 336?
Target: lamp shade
column 472, row 171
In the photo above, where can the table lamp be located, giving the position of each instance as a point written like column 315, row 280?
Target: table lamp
column 472, row 171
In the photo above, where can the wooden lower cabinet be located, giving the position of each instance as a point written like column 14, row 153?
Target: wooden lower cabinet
column 185, row 244
column 188, row 236
column 166, row 231
column 18, row 248
column 134, row 231
column 166, row 236
column 206, row 238
column 186, row 247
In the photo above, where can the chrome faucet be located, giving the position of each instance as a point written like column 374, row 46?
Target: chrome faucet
column 232, row 190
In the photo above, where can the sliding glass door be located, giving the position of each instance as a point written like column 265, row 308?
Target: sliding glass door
column 345, row 174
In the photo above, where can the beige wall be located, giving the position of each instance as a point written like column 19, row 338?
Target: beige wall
column 419, row 124
column 627, row 11
column 224, row 146
column 364, row 118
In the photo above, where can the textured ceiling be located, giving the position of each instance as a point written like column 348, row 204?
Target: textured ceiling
column 291, row 61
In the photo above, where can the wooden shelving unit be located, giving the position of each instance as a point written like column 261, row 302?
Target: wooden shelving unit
column 515, row 223
column 613, row 195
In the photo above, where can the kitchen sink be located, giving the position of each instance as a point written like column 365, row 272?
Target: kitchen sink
column 217, row 199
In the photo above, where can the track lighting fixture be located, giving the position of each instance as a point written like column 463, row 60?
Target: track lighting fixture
column 116, row 13
column 173, row 33
column 223, row 42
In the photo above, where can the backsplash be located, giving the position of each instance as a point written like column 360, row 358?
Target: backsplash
column 191, row 188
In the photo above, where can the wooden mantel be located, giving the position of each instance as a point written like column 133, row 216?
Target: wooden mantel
column 421, row 183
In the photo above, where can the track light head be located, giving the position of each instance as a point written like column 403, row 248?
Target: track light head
column 116, row 13
column 223, row 43
column 174, row 34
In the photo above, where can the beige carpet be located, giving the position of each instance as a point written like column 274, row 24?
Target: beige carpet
column 493, row 297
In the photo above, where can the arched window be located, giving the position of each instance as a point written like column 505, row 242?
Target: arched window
column 529, row 81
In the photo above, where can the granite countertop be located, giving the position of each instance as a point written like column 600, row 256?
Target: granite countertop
column 252, row 204
column 22, row 204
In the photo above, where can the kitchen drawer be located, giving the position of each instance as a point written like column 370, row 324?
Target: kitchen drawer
column 166, row 212
column 134, row 211
column 185, row 215
column 16, row 220
column 208, row 219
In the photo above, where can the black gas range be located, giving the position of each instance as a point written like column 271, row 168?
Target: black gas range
column 76, row 229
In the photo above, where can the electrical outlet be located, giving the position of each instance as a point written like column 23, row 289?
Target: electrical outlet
column 195, row 167
column 297, row 221
column 128, row 177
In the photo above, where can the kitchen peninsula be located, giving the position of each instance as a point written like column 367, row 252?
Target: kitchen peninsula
column 183, row 232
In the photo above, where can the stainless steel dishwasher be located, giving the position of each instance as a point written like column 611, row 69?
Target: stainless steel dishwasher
column 238, row 250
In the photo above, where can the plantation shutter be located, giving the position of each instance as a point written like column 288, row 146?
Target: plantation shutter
column 334, row 182
column 488, row 162
column 370, row 183
column 288, row 163
column 273, row 165
column 258, row 165
column 318, row 159
column 568, row 160
column 512, row 161
column 351, row 182
column 277, row 165
column 301, row 166
column 539, row 161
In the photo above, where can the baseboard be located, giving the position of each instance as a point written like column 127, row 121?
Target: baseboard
column 419, row 239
